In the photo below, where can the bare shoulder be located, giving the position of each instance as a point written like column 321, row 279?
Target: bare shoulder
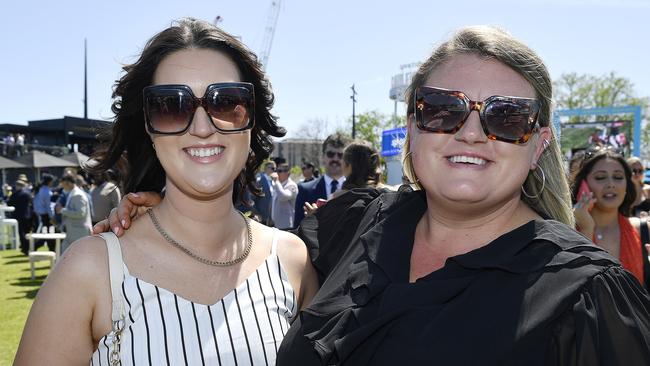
column 86, row 256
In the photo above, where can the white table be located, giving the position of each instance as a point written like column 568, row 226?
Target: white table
column 57, row 237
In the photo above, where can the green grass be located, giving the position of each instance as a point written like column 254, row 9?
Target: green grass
column 17, row 292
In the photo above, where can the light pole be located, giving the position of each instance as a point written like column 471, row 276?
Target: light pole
column 354, row 101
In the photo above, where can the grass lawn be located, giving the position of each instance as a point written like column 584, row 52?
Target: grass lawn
column 17, row 292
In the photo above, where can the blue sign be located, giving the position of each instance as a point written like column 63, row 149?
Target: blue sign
column 392, row 141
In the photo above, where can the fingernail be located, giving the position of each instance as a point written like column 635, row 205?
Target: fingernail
column 116, row 230
column 123, row 222
column 135, row 195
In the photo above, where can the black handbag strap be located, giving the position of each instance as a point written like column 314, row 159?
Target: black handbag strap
column 645, row 239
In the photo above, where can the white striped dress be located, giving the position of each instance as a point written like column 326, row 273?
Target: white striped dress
column 245, row 327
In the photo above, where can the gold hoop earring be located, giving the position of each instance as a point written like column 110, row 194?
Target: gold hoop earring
column 541, row 190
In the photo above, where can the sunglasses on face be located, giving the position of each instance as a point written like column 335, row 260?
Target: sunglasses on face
column 597, row 149
column 507, row 119
column 637, row 171
column 283, row 170
column 332, row 154
column 169, row 109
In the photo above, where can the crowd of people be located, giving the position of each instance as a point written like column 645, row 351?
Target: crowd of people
column 69, row 204
column 481, row 258
column 13, row 145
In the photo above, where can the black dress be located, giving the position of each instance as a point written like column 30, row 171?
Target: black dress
column 538, row 295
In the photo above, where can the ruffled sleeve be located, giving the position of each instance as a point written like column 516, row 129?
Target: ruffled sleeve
column 609, row 324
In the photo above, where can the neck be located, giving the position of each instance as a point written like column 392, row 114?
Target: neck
column 199, row 223
column 461, row 230
column 604, row 218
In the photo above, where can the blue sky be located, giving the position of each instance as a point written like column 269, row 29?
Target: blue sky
column 319, row 50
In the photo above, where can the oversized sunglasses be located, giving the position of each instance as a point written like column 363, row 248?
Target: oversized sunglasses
column 169, row 109
column 332, row 154
column 508, row 119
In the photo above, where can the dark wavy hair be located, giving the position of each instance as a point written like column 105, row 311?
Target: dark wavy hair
column 591, row 157
column 363, row 160
column 128, row 144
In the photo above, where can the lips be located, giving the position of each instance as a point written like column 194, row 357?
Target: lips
column 467, row 160
column 207, row 152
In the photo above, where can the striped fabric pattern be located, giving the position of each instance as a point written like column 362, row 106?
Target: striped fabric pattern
column 244, row 328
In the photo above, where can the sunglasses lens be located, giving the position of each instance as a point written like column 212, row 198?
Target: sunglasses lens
column 168, row 110
column 439, row 111
column 509, row 120
column 230, row 108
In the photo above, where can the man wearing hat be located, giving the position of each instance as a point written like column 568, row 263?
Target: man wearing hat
column 28, row 185
column 21, row 199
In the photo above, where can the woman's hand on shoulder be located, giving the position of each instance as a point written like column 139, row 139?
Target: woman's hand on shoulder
column 131, row 206
column 62, row 326
column 295, row 259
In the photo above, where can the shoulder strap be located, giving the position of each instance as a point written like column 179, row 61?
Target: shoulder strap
column 274, row 243
column 116, row 270
column 645, row 239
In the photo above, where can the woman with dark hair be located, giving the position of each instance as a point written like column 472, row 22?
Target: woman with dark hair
column 603, row 194
column 360, row 165
column 194, row 281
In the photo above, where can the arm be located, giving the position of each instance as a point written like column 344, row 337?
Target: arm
column 71, row 311
column 285, row 194
column 76, row 209
column 299, row 212
column 295, row 259
column 609, row 324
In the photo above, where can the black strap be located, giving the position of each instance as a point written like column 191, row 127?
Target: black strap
column 645, row 239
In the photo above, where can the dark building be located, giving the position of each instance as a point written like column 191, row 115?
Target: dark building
column 54, row 135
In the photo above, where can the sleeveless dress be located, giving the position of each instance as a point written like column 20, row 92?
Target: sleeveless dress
column 245, row 327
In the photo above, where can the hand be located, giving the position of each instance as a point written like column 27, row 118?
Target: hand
column 309, row 208
column 647, row 248
column 58, row 208
column 584, row 220
column 131, row 206
column 274, row 176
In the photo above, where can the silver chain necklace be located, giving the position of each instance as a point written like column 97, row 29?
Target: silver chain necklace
column 170, row 240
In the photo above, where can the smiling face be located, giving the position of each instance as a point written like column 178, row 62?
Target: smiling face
column 466, row 167
column 332, row 159
column 607, row 181
column 201, row 162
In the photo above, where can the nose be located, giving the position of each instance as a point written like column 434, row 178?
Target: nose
column 472, row 130
column 201, row 125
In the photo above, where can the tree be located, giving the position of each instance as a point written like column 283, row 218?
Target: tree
column 370, row 125
column 315, row 130
column 587, row 91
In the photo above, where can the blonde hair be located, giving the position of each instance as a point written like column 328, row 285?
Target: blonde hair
column 493, row 43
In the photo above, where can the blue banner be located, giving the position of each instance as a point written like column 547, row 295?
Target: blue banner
column 392, row 141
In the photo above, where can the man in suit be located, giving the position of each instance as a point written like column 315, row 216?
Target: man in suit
column 21, row 199
column 76, row 214
column 264, row 204
column 329, row 182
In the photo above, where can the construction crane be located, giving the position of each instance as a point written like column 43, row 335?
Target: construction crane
column 269, row 32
